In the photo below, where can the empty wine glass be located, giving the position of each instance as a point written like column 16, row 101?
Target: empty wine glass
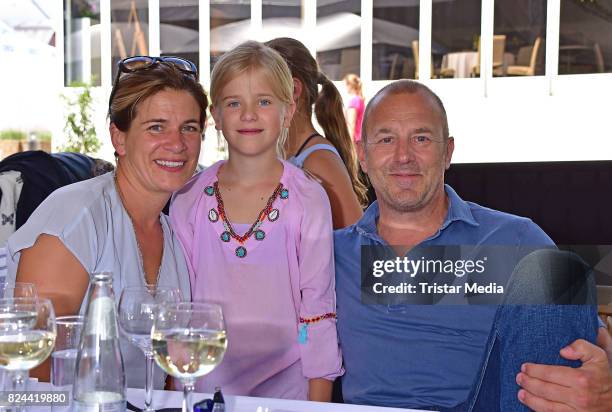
column 137, row 308
column 27, row 336
column 17, row 290
column 189, row 341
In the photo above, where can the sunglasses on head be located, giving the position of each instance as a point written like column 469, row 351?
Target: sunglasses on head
column 137, row 63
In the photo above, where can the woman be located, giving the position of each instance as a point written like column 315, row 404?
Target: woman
column 114, row 222
column 331, row 158
column 355, row 107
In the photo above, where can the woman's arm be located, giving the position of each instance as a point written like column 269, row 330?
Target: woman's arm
column 319, row 390
column 58, row 276
column 351, row 120
column 328, row 167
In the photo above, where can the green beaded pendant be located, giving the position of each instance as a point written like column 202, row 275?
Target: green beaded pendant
column 225, row 236
column 241, row 251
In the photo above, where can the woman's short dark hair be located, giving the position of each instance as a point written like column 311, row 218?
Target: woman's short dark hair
column 133, row 88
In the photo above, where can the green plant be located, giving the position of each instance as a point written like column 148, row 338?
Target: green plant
column 80, row 127
column 43, row 135
column 11, row 134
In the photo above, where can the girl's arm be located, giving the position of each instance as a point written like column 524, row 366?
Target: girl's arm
column 317, row 337
column 319, row 390
column 328, row 167
column 351, row 120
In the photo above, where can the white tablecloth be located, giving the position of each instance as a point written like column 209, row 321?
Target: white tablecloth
column 172, row 399
column 463, row 62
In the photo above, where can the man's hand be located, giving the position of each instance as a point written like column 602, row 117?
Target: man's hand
column 562, row 388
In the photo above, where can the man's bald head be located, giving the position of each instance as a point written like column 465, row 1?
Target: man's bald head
column 407, row 87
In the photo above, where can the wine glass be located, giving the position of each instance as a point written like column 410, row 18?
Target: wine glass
column 189, row 341
column 17, row 290
column 137, row 308
column 9, row 290
column 27, row 336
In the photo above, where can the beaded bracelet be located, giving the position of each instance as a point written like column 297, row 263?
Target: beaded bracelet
column 304, row 322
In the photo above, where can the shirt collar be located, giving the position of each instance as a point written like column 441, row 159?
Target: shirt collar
column 366, row 226
column 458, row 210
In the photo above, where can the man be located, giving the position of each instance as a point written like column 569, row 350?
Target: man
column 448, row 357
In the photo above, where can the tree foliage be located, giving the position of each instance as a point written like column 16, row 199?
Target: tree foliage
column 80, row 129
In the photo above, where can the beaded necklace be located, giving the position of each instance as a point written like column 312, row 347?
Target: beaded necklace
column 268, row 212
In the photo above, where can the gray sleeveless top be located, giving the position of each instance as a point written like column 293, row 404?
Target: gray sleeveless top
column 301, row 157
column 90, row 220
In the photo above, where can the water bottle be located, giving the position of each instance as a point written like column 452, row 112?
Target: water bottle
column 99, row 383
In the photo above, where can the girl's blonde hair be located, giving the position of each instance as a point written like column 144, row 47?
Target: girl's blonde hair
column 354, row 85
column 248, row 56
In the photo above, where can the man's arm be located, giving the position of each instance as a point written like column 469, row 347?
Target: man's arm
column 561, row 388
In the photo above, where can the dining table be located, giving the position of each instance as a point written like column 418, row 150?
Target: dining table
column 463, row 62
column 173, row 399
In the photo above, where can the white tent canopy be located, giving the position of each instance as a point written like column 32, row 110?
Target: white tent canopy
column 336, row 31
column 29, row 16
column 173, row 39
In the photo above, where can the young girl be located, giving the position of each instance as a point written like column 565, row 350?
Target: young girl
column 355, row 107
column 330, row 157
column 257, row 235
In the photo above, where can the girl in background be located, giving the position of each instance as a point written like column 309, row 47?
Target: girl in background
column 331, row 158
column 257, row 235
column 355, row 107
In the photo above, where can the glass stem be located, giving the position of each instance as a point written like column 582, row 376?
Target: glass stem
column 149, row 382
column 19, row 380
column 187, row 390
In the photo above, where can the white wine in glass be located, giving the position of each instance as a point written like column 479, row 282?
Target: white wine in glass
column 189, row 341
column 27, row 336
column 189, row 355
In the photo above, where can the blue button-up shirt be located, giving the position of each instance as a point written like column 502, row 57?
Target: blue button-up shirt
column 411, row 355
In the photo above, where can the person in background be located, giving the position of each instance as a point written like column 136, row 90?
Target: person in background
column 355, row 106
column 114, row 222
column 332, row 157
column 257, row 235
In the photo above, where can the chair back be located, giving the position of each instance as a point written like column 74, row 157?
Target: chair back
column 535, row 55
column 400, row 67
column 499, row 48
column 524, row 56
column 599, row 60
column 415, row 54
